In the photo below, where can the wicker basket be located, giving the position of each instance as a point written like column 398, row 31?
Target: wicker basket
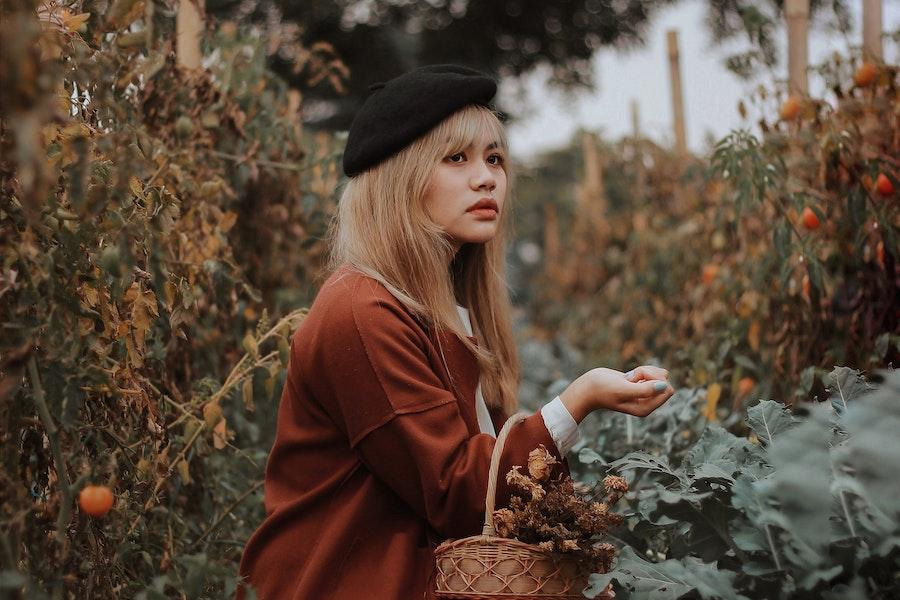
column 485, row 567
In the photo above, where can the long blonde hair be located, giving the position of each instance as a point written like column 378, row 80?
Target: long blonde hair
column 383, row 230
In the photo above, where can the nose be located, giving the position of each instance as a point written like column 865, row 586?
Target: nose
column 483, row 177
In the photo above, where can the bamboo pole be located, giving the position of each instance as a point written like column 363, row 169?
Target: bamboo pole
column 551, row 243
column 188, row 29
column 796, row 13
column 871, row 28
column 677, row 99
column 640, row 174
column 635, row 120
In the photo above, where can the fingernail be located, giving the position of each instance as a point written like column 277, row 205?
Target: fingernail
column 659, row 386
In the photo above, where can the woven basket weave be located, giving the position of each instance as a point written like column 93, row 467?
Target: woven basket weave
column 486, row 567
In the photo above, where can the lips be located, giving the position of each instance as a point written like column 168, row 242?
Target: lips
column 484, row 203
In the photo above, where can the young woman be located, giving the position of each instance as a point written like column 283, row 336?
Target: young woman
column 405, row 366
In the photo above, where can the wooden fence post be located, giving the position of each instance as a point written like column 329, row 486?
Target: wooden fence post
column 552, row 270
column 796, row 13
column 677, row 100
column 871, row 29
column 188, row 31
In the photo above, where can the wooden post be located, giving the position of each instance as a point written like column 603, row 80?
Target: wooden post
column 635, row 120
column 796, row 13
column 638, row 147
column 551, row 243
column 871, row 28
column 591, row 228
column 677, row 100
column 188, row 31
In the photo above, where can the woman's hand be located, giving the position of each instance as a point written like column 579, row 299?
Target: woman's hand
column 638, row 393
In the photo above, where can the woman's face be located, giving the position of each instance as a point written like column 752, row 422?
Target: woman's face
column 460, row 185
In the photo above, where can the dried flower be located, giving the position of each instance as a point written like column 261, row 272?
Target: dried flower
column 560, row 515
column 540, row 462
column 524, row 483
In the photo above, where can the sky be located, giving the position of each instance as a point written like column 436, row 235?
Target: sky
column 711, row 92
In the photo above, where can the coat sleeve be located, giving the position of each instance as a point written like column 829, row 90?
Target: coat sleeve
column 406, row 425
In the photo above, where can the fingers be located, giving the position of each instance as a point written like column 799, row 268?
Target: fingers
column 645, row 372
column 648, row 399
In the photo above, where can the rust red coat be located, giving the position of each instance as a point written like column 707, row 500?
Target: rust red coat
column 377, row 456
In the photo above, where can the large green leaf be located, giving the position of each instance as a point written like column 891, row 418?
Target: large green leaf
column 768, row 419
column 871, row 455
column 799, row 486
column 845, row 385
column 718, row 454
column 667, row 580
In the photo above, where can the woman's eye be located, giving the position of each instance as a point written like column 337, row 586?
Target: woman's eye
column 454, row 157
column 497, row 158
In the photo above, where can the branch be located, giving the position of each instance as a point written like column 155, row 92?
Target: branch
column 65, row 509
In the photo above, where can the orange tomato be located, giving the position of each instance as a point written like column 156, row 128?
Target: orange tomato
column 745, row 385
column 865, row 74
column 879, row 254
column 884, row 185
column 709, row 273
column 809, row 219
column 95, row 500
column 791, row 108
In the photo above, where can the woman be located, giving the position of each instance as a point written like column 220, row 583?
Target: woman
column 405, row 366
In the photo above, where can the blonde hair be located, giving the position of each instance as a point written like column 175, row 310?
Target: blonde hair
column 383, row 230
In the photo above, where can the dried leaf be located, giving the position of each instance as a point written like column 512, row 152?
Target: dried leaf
column 713, row 393
column 247, row 394
column 220, row 435
column 184, row 471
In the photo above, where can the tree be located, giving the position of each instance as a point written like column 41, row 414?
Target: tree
column 379, row 39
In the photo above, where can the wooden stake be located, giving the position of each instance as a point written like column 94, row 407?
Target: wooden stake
column 640, row 175
column 677, row 100
column 796, row 13
column 188, row 30
column 871, row 27
column 635, row 120
column 551, row 242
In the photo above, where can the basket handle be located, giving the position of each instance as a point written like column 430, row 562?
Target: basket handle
column 491, row 497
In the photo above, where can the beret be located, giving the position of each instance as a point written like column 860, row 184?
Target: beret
column 406, row 107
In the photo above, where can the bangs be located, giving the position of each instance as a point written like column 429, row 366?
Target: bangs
column 471, row 125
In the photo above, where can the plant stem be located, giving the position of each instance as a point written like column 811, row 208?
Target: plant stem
column 226, row 512
column 65, row 509
column 847, row 512
column 772, row 547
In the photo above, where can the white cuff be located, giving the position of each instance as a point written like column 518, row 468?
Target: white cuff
column 562, row 427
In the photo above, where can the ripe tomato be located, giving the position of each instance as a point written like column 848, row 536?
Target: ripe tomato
column 809, row 219
column 865, row 74
column 791, row 108
column 95, row 500
column 745, row 385
column 709, row 273
column 884, row 185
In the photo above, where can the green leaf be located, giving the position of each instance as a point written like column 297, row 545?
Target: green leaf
column 845, row 385
column 768, row 419
column 800, row 484
column 667, row 580
column 718, row 454
column 872, row 452
column 589, row 456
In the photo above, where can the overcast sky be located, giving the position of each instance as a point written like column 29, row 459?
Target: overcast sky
column 710, row 91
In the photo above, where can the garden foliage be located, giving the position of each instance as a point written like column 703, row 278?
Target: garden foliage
column 706, row 266
column 804, row 506
column 137, row 350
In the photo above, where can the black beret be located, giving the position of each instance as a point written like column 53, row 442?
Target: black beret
column 406, row 107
